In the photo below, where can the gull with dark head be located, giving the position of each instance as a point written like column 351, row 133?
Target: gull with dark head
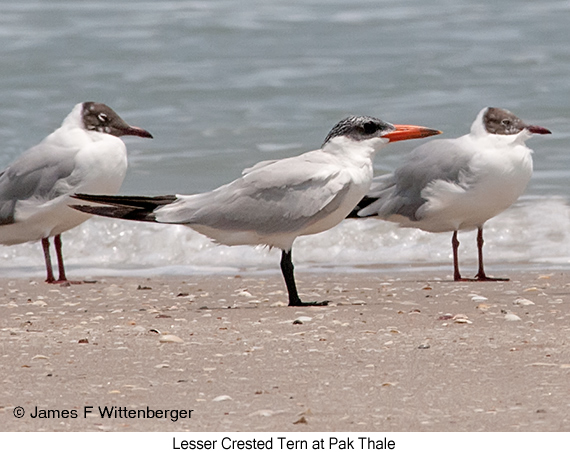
column 449, row 185
column 276, row 201
column 85, row 154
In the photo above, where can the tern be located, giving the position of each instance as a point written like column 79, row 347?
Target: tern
column 448, row 185
column 276, row 201
column 84, row 154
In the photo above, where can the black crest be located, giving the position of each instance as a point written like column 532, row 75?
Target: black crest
column 359, row 128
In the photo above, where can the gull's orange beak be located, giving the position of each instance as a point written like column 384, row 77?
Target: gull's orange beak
column 405, row 132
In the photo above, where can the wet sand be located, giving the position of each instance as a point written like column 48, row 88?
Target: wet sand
column 394, row 352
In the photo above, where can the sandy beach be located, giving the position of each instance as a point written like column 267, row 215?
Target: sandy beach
column 400, row 352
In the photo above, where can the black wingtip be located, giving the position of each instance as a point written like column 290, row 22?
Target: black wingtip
column 119, row 212
column 140, row 202
column 83, row 208
column 364, row 202
column 138, row 208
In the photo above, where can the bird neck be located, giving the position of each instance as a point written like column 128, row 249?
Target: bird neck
column 354, row 151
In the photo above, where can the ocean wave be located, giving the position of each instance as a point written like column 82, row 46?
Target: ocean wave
column 534, row 232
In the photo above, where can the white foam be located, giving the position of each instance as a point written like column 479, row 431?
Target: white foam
column 534, row 232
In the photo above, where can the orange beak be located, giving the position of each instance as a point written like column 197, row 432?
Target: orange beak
column 410, row 132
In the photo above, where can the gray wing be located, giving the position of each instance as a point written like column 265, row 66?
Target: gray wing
column 400, row 193
column 278, row 197
column 34, row 174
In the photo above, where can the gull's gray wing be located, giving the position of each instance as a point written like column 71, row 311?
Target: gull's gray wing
column 35, row 174
column 273, row 197
column 400, row 193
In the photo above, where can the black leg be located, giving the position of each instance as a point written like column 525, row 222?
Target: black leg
column 50, row 278
column 288, row 274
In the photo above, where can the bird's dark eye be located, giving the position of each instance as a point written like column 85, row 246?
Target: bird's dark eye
column 370, row 128
column 506, row 122
column 102, row 117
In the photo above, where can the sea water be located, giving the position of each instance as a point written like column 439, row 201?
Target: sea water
column 224, row 84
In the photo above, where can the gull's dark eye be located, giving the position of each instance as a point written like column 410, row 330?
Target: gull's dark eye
column 506, row 122
column 370, row 127
column 102, row 117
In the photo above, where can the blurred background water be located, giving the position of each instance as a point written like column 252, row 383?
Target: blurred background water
column 224, row 84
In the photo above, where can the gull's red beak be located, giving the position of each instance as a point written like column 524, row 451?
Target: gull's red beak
column 136, row 131
column 406, row 132
column 538, row 129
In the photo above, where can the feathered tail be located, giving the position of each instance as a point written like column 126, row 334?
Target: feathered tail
column 137, row 208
